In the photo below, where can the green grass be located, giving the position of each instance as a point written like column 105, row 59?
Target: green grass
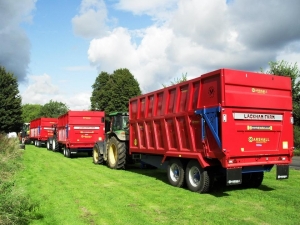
column 75, row 191
column 15, row 206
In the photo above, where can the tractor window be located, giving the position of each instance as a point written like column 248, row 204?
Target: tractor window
column 125, row 121
column 120, row 122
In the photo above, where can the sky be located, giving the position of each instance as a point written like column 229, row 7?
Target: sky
column 57, row 48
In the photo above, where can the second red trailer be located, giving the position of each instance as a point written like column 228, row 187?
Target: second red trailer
column 77, row 131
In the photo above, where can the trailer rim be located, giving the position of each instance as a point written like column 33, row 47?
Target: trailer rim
column 197, row 178
column 194, row 176
column 176, row 172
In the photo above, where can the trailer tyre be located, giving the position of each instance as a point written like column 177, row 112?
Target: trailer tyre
column 252, row 180
column 55, row 146
column 197, row 179
column 116, row 154
column 176, row 172
column 97, row 157
column 49, row 147
column 68, row 153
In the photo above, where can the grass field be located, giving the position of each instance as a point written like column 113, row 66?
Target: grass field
column 75, row 191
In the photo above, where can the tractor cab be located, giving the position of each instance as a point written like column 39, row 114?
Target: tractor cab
column 24, row 134
column 119, row 125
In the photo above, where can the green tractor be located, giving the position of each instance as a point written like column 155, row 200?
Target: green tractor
column 24, row 135
column 114, row 150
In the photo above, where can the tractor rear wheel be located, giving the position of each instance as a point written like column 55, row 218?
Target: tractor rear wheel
column 116, row 154
column 197, row 179
column 97, row 157
column 176, row 172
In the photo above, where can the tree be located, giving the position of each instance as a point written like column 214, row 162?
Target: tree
column 30, row 112
column 98, row 95
column 111, row 92
column 283, row 68
column 177, row 80
column 53, row 109
column 10, row 103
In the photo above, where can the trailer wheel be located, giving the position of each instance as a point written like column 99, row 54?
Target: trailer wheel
column 252, row 180
column 197, row 178
column 116, row 154
column 55, row 146
column 97, row 157
column 176, row 172
column 49, row 147
column 38, row 144
column 68, row 153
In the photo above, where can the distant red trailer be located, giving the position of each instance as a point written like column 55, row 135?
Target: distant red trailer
column 41, row 129
column 235, row 122
column 77, row 131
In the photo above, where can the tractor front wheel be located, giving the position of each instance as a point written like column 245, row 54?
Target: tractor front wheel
column 97, row 157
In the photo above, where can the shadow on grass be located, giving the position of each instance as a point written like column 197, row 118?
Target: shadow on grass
column 155, row 173
column 219, row 189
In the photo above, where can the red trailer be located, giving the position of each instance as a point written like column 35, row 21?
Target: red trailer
column 77, row 131
column 233, row 122
column 40, row 130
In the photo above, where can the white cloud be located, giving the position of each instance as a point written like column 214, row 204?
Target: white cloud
column 41, row 90
column 197, row 37
column 113, row 50
column 80, row 101
column 15, row 45
column 90, row 22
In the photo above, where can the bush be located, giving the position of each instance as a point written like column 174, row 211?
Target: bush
column 15, row 206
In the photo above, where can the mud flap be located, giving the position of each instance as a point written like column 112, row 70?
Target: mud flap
column 233, row 176
column 282, row 172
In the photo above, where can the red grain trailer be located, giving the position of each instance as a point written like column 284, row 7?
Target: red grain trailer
column 41, row 129
column 229, row 122
column 77, row 131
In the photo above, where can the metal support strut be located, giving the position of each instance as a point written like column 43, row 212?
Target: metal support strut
column 210, row 116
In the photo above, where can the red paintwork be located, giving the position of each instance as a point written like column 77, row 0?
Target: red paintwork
column 41, row 128
column 81, row 129
column 164, row 122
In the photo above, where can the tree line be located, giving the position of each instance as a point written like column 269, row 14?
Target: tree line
column 110, row 93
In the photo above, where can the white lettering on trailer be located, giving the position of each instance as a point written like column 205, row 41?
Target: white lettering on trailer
column 254, row 116
column 234, row 181
column 281, row 176
column 86, row 128
column 48, row 128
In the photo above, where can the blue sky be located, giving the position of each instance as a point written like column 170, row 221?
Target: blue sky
column 57, row 48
